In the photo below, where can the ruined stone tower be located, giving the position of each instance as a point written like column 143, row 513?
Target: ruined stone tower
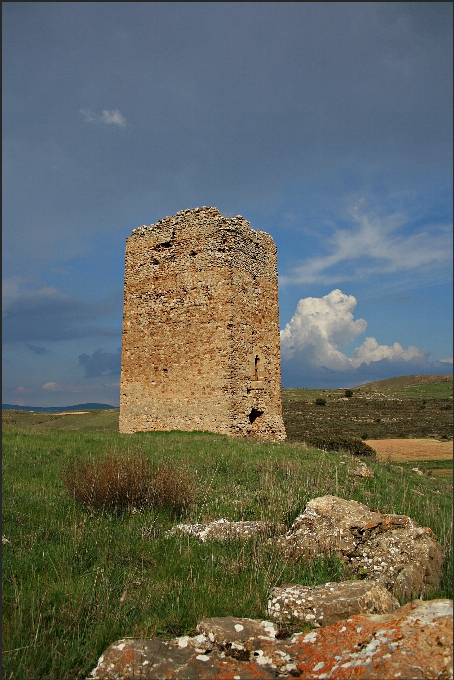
column 200, row 344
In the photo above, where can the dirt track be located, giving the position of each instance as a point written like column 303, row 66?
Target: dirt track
column 411, row 449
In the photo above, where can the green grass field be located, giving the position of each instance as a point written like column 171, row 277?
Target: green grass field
column 75, row 579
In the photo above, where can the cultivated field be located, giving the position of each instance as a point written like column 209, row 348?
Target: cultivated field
column 411, row 449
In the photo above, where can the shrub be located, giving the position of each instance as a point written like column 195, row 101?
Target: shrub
column 123, row 483
column 348, row 393
column 347, row 443
column 320, row 401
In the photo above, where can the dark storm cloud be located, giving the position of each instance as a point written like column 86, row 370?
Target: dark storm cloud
column 224, row 103
column 48, row 314
column 101, row 363
column 37, row 349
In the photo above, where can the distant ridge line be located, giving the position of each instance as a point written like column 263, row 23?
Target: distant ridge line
column 57, row 409
column 409, row 381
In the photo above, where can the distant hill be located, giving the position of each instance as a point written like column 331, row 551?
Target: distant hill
column 408, row 381
column 57, row 409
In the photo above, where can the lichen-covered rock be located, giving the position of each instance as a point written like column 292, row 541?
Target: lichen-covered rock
column 390, row 549
column 331, row 602
column 415, row 641
column 362, row 471
column 330, row 524
column 222, row 530
column 242, row 633
column 407, row 561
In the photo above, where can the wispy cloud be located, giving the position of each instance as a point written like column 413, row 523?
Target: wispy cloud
column 76, row 389
column 375, row 245
column 113, row 117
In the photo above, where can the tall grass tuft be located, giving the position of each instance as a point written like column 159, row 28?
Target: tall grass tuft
column 120, row 483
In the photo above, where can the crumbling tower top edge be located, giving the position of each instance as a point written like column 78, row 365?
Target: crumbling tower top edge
column 207, row 216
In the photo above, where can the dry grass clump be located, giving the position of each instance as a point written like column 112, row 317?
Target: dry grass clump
column 126, row 483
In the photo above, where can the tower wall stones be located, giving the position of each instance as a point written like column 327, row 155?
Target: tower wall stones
column 200, row 346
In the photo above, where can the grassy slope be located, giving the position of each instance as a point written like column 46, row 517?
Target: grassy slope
column 74, row 580
column 411, row 381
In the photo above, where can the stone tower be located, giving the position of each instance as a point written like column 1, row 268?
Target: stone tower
column 200, row 346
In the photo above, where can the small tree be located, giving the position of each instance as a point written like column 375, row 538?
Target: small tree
column 320, row 401
column 348, row 393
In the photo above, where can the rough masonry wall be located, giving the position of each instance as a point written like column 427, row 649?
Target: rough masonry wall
column 200, row 346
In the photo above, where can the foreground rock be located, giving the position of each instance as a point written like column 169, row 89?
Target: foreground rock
column 390, row 549
column 415, row 641
column 324, row 605
column 222, row 530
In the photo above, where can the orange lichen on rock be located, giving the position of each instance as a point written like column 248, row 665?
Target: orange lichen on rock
column 415, row 641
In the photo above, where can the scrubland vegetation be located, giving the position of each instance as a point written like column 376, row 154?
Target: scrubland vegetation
column 395, row 408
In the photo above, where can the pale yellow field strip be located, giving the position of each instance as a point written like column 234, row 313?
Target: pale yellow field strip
column 411, row 449
column 70, row 413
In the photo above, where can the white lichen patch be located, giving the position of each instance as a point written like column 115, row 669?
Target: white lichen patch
column 183, row 641
column 269, row 629
column 310, row 637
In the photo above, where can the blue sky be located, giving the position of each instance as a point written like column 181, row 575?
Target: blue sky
column 328, row 125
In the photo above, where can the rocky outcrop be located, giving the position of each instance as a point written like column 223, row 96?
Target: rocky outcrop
column 361, row 470
column 415, row 641
column 326, row 604
column 390, row 549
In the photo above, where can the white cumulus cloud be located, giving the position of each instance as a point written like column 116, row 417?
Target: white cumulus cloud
column 51, row 387
column 320, row 327
column 113, row 117
column 370, row 351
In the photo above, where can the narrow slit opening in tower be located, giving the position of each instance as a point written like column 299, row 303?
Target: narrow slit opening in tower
column 256, row 367
column 254, row 414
